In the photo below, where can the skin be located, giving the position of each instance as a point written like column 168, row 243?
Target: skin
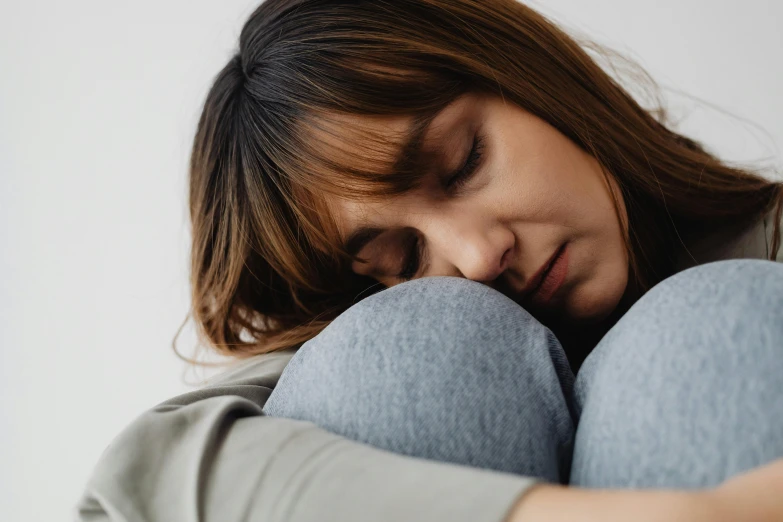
column 753, row 496
column 532, row 191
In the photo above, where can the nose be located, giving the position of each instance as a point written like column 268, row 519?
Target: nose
column 476, row 249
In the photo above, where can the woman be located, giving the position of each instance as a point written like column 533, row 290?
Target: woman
column 520, row 212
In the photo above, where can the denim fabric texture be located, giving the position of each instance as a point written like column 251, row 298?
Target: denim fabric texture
column 684, row 391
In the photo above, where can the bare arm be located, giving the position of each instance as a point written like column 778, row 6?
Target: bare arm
column 756, row 496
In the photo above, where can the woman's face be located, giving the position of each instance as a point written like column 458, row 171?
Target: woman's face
column 531, row 192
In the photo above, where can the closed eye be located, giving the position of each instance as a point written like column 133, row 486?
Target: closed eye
column 413, row 255
column 459, row 178
column 413, row 246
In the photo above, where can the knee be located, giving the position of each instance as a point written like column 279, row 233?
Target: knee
column 726, row 307
column 706, row 326
column 440, row 367
column 736, row 285
column 448, row 323
column 700, row 353
column 437, row 333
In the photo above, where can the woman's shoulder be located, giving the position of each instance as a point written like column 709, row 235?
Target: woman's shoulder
column 754, row 242
column 253, row 378
column 769, row 231
column 264, row 369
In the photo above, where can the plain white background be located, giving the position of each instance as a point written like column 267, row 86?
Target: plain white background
column 98, row 104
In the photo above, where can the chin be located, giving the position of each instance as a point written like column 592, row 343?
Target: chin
column 595, row 303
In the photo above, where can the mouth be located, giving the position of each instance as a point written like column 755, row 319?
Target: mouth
column 544, row 275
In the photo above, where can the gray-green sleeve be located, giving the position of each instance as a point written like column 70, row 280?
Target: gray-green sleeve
column 218, row 458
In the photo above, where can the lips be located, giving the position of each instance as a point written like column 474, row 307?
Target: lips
column 538, row 277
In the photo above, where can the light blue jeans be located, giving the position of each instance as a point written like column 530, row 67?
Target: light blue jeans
column 684, row 391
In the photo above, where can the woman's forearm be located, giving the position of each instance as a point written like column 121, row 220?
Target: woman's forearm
column 754, row 496
column 552, row 503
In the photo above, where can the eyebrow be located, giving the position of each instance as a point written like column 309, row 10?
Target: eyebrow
column 409, row 152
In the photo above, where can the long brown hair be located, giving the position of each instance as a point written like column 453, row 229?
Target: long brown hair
column 266, row 270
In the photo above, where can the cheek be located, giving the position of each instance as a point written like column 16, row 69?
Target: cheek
column 538, row 184
column 601, row 272
column 585, row 195
column 535, row 197
column 519, row 189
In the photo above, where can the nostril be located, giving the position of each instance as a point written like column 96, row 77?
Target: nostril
column 493, row 273
column 504, row 260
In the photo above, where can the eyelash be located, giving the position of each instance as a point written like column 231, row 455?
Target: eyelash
column 412, row 260
column 453, row 183
column 459, row 178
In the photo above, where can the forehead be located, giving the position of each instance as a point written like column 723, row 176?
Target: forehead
column 369, row 141
column 361, row 140
column 365, row 142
